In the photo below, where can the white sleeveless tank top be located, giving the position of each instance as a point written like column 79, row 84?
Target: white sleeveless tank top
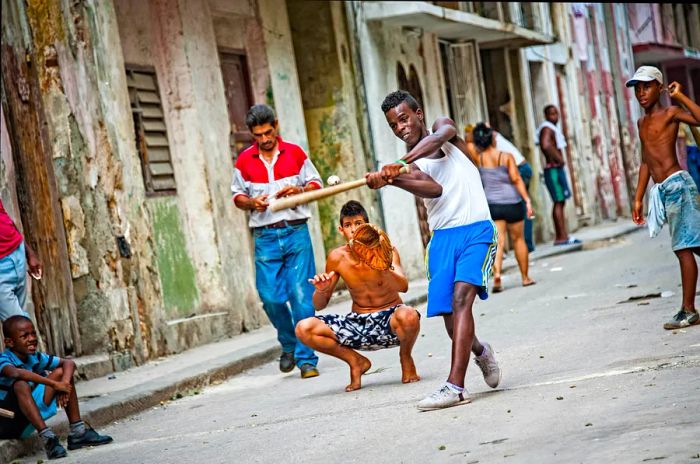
column 463, row 200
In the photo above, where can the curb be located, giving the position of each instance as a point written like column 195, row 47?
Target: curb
column 564, row 249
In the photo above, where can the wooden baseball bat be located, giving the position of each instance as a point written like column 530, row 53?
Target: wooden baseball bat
column 314, row 195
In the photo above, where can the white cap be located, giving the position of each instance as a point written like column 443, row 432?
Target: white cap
column 646, row 74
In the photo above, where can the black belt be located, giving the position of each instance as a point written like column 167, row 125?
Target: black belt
column 281, row 224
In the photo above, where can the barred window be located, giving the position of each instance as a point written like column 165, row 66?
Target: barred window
column 151, row 133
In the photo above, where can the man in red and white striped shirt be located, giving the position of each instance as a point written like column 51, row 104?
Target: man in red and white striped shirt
column 284, row 259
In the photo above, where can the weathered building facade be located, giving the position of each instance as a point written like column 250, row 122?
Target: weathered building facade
column 121, row 121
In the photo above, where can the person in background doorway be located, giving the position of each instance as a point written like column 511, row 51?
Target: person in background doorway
column 552, row 141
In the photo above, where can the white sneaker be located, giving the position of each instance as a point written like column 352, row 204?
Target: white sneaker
column 489, row 366
column 444, row 397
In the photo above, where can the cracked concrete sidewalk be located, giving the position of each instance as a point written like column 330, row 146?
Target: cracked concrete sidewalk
column 121, row 394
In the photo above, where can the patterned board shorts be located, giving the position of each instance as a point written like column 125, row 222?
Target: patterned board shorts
column 369, row 331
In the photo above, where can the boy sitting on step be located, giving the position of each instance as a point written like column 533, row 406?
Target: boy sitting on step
column 32, row 385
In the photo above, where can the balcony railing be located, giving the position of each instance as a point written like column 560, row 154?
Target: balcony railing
column 523, row 14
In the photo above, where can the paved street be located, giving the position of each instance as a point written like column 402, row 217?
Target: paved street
column 585, row 379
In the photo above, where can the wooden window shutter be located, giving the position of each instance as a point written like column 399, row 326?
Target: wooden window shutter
column 151, row 133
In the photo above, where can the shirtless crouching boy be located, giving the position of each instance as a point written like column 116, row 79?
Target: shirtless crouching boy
column 378, row 319
column 675, row 196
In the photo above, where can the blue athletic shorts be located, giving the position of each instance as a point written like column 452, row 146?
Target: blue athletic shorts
column 19, row 426
column 459, row 254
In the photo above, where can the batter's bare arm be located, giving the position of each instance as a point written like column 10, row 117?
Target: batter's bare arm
column 444, row 130
column 416, row 182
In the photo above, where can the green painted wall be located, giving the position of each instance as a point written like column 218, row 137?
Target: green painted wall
column 177, row 276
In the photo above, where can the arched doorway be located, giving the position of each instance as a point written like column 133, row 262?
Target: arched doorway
column 411, row 84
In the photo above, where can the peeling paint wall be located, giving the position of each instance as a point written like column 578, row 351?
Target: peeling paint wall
column 8, row 188
column 177, row 275
column 183, row 50
column 91, row 143
column 150, row 275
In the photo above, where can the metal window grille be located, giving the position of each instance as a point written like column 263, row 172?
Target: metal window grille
column 151, row 133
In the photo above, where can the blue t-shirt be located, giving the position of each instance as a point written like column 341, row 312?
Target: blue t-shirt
column 37, row 363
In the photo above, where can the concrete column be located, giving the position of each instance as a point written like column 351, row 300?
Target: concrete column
column 176, row 43
column 211, row 122
column 286, row 95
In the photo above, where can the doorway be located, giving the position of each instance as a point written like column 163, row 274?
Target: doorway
column 411, row 84
column 234, row 71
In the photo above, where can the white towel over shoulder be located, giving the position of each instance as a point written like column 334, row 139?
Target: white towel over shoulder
column 558, row 135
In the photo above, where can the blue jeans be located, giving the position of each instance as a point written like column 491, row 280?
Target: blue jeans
column 284, row 260
column 526, row 174
column 13, row 283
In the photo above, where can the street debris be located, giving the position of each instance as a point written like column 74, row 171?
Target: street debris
column 560, row 398
column 588, row 424
column 556, row 269
column 494, row 442
column 647, row 296
column 576, row 295
column 442, row 447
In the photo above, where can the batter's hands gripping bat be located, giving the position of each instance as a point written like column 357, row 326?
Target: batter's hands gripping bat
column 314, row 195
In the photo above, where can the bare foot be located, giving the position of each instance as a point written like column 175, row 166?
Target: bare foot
column 357, row 369
column 497, row 286
column 528, row 281
column 408, row 371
